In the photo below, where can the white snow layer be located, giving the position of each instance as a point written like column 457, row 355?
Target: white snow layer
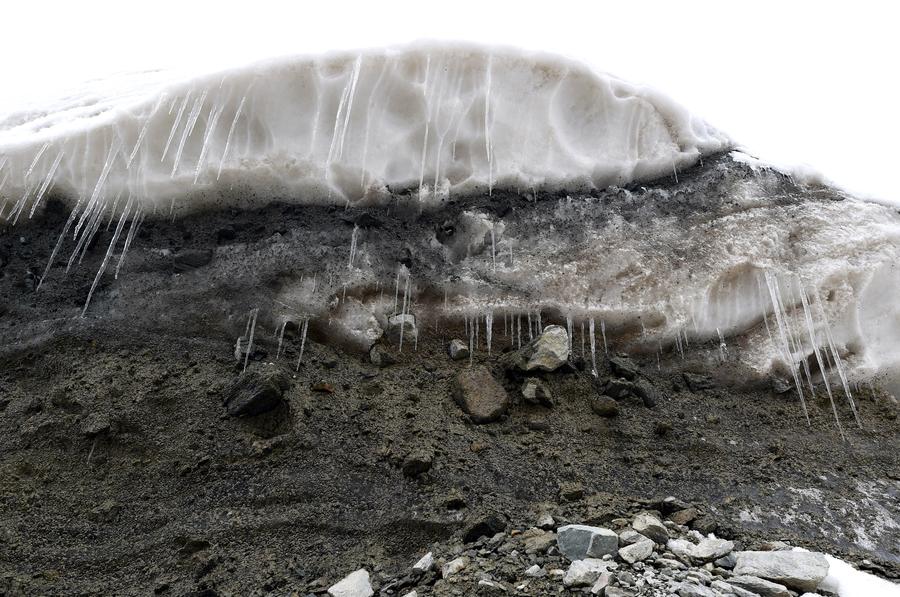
column 341, row 127
column 846, row 581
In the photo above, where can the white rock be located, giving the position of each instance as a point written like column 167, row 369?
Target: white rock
column 426, row 563
column 801, row 570
column 550, row 351
column 454, row 566
column 545, row 521
column 630, row 537
column 458, row 350
column 356, row 325
column 682, row 548
column 583, row 573
column 710, row 549
column 637, row 552
column 759, row 586
column 355, row 584
column 578, row 541
column 405, row 323
column 689, row 589
column 535, row 571
column 600, row 585
column 411, row 594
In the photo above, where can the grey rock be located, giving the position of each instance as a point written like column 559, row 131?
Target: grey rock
column 710, row 549
column 684, row 516
column 799, row 570
column 355, row 584
column 458, row 350
column 584, row 573
column 417, row 463
column 405, row 324
column 578, row 541
column 454, row 566
column 636, row 552
column 191, row 259
column 696, row 382
column 689, row 589
column 630, row 537
column 618, row 592
column 729, row 589
column 96, row 424
column 545, row 521
column 604, row 406
column 535, row 571
column 535, row 391
column 537, row 540
column 624, row 367
column 727, row 562
column 651, row 527
column 682, row 549
column 425, row 563
column 759, row 586
column 480, row 395
column 550, row 350
column 255, row 391
column 647, row 392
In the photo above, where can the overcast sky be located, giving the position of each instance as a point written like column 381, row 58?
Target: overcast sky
column 796, row 82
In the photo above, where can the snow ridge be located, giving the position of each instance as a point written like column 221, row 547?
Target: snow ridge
column 343, row 127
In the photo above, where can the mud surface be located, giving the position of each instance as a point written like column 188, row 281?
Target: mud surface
column 122, row 473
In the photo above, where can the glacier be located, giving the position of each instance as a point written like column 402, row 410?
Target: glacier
column 478, row 184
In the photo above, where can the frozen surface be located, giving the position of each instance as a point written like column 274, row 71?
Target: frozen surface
column 341, row 127
column 847, row 581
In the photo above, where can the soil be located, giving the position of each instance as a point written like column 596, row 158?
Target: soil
column 121, row 471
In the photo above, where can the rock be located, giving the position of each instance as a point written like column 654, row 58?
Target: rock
column 545, row 521
column 95, row 424
column 417, row 463
column 537, row 541
column 550, row 350
column 480, row 395
column 578, row 541
column 689, row 589
column 710, row 549
column 624, row 367
column 490, row 587
column 727, row 562
column 458, row 350
column 636, row 552
column 618, row 388
column 535, row 571
column 696, row 382
column 356, row 584
column 255, row 391
column 618, row 592
column 190, row 259
column 454, row 566
column 759, row 586
column 671, row 504
column 682, row 549
column 651, row 527
column 535, row 391
column 705, row 524
column 484, row 527
column 647, row 392
column 801, row 570
column 781, row 385
column 668, row 563
column 411, row 594
column 356, row 325
column 685, row 516
column 381, row 356
column 571, row 491
column 728, row 589
column 630, row 537
column 584, row 572
column 405, row 323
column 605, row 406
column 600, row 585
column 425, row 563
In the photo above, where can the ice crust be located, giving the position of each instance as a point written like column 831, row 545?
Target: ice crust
column 438, row 118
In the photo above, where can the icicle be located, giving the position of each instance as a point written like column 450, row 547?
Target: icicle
column 603, row 333
column 136, row 222
column 403, row 313
column 722, row 346
column 493, row 250
column 815, row 347
column 488, row 329
column 109, row 250
column 175, row 124
column 569, row 330
column 250, row 341
column 37, row 157
column 593, row 348
column 188, row 129
column 59, row 241
column 302, row 342
column 237, row 115
column 283, row 326
column 396, row 292
column 583, row 353
column 489, row 150
column 840, row 368
column 210, row 129
column 47, row 181
column 519, row 319
column 778, row 309
column 112, row 210
column 530, row 328
column 353, row 240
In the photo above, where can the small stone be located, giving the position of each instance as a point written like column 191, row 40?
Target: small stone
column 685, row 516
column 96, row 424
column 604, row 406
column 801, row 570
column 618, row 592
column 647, row 392
column 425, row 563
column 535, row 391
column 454, row 566
column 487, row 526
column 728, row 589
column 630, row 537
column 759, row 586
column 624, row 367
column 191, row 259
column 705, row 524
column 651, row 527
column 578, row 541
column 550, row 350
column 571, row 491
column 688, row 589
column 546, row 522
column 356, row 584
column 600, row 585
column 417, row 463
column 255, row 391
column 356, row 325
column 636, row 552
column 697, row 383
column 537, row 541
column 480, row 395
column 727, row 562
column 458, row 350
column 535, row 571
column 682, row 549
column 583, row 573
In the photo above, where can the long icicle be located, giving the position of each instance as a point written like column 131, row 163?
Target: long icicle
column 109, row 250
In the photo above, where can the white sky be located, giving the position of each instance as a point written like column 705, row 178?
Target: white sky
column 794, row 81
